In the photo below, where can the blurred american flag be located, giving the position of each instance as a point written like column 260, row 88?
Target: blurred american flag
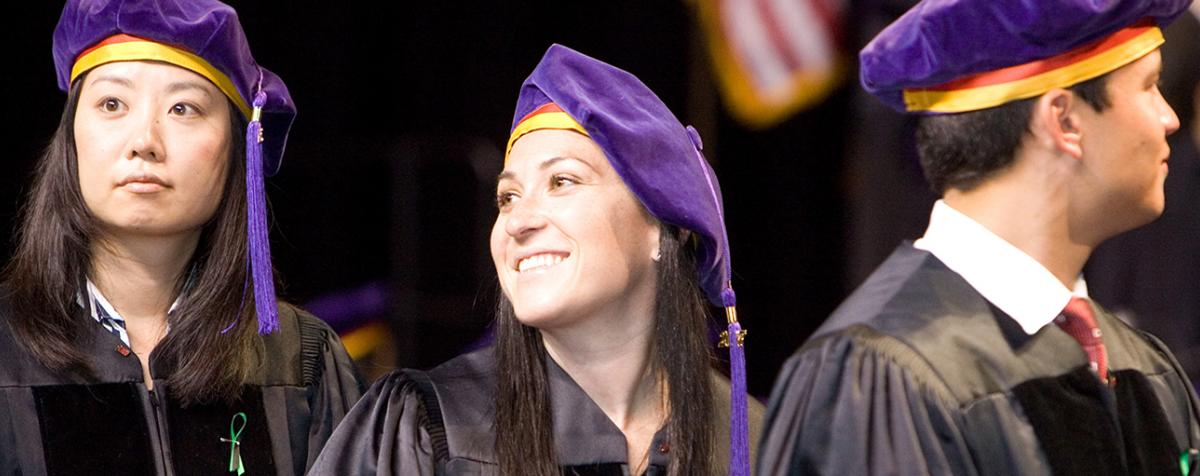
column 774, row 57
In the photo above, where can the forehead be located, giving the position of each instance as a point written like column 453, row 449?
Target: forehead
column 1148, row 65
column 537, row 147
column 148, row 74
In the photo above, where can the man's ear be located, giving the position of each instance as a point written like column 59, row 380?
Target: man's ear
column 1055, row 122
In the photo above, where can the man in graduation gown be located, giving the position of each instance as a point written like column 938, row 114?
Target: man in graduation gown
column 975, row 349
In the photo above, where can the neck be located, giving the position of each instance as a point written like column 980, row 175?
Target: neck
column 612, row 364
column 1029, row 206
column 140, row 276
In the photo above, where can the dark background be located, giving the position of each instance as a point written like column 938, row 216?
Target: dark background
column 404, row 108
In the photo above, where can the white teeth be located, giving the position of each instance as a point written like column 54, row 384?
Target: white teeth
column 538, row 261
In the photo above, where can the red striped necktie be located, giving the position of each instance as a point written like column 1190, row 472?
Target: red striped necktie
column 1078, row 321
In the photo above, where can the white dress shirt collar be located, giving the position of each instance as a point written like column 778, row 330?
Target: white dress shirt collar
column 1007, row 277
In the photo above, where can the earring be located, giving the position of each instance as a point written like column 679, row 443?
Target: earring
column 657, row 255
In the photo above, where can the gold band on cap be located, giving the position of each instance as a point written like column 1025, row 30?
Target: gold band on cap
column 994, row 88
column 130, row 48
column 548, row 116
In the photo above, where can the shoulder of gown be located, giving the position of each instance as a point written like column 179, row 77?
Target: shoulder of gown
column 860, row 402
column 305, row 351
column 307, row 374
column 386, row 433
column 864, row 396
column 391, row 432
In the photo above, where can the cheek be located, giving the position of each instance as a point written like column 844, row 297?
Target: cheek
column 217, row 174
column 199, row 185
column 207, row 178
column 95, row 153
column 625, row 231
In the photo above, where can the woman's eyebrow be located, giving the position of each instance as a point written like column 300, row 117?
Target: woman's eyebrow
column 554, row 160
column 188, row 85
column 118, row 80
column 507, row 174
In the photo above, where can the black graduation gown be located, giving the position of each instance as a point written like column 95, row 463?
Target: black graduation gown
column 62, row 425
column 916, row 373
column 441, row 422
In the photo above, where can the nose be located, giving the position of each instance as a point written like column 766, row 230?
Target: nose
column 1168, row 117
column 147, row 143
column 524, row 217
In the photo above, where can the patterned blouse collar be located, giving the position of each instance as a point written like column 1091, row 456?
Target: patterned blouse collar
column 104, row 313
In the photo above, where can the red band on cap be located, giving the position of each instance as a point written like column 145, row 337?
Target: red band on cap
column 996, row 87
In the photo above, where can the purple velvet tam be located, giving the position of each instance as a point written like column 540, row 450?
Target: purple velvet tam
column 656, row 156
column 205, row 28
column 938, row 41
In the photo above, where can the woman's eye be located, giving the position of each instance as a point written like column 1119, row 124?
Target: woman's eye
column 559, row 181
column 504, row 199
column 183, row 109
column 110, row 105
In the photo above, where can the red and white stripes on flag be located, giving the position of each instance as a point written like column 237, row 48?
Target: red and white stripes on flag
column 774, row 57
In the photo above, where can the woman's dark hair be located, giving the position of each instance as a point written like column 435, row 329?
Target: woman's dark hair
column 52, row 261
column 680, row 354
column 962, row 150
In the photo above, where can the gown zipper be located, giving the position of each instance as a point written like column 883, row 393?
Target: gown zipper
column 159, row 434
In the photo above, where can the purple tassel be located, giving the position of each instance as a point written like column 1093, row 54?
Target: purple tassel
column 739, row 432
column 260, row 245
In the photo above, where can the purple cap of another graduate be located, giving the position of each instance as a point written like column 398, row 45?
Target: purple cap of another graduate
column 205, row 37
column 948, row 56
column 659, row 160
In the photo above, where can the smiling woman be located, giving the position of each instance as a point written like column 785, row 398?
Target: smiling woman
column 609, row 234
column 141, row 295
column 571, row 241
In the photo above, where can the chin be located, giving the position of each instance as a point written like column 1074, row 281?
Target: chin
column 542, row 301
column 1146, row 214
column 537, row 318
column 1156, row 213
column 149, row 226
column 132, row 224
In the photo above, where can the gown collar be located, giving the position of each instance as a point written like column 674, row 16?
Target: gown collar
column 1006, row 276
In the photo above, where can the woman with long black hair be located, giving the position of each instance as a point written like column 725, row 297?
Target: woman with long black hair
column 138, row 324
column 609, row 229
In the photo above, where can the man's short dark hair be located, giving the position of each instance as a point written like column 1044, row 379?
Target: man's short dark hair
column 962, row 150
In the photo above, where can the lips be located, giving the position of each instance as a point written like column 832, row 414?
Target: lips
column 539, row 260
column 142, row 182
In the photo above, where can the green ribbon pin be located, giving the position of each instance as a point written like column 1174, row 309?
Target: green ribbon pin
column 1186, row 458
column 235, row 446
